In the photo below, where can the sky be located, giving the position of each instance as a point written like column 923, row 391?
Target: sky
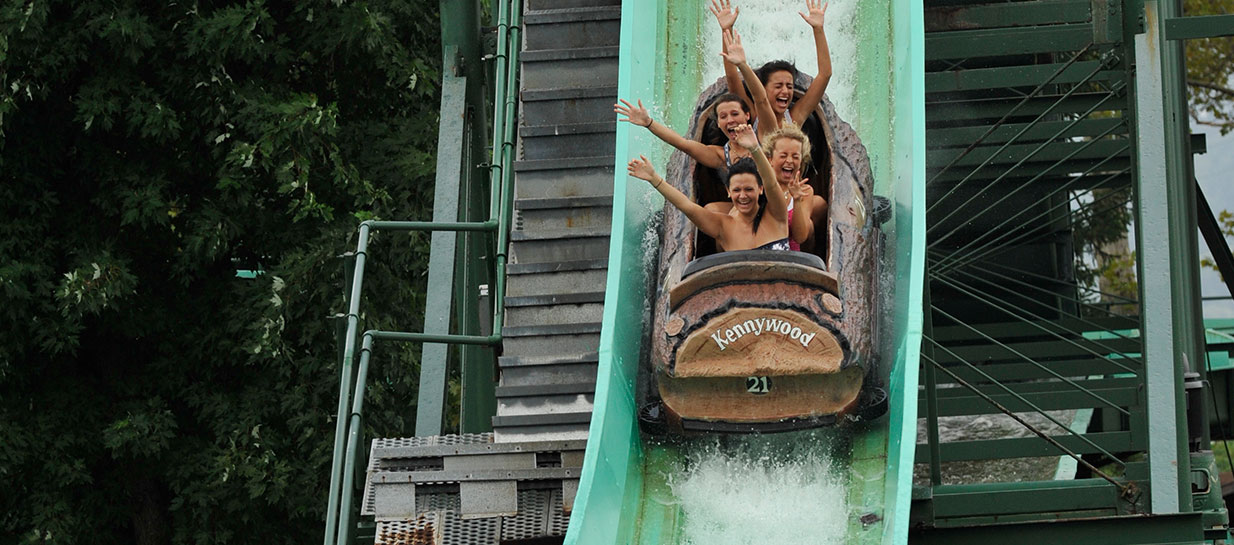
column 1215, row 172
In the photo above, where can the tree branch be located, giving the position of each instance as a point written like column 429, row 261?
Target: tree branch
column 1212, row 87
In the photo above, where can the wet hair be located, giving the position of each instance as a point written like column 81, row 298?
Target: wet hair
column 765, row 71
column 746, row 165
column 791, row 132
column 729, row 97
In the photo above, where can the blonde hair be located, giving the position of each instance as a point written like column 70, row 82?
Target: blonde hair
column 791, row 132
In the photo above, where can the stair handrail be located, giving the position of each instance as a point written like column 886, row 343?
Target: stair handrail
column 348, row 425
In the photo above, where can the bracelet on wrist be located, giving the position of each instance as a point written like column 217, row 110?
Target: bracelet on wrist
column 649, row 122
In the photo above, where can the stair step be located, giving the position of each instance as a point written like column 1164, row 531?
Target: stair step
column 551, row 330
column 576, row 417
column 567, row 139
column 569, row 68
column 571, row 14
column 555, row 279
column 539, row 5
column 564, row 266
column 539, row 56
column 567, row 93
column 575, row 164
column 555, row 299
column 554, row 314
column 558, row 249
column 560, row 234
column 557, row 178
column 548, row 374
column 557, row 369
column 599, row 217
column 507, row 362
column 561, row 203
column 542, row 390
column 551, row 345
column 572, row 28
column 571, row 111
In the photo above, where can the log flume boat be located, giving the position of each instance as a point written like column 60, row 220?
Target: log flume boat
column 762, row 340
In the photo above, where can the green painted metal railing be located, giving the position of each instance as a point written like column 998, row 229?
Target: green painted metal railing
column 348, row 435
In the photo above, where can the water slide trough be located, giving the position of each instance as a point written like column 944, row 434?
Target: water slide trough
column 844, row 483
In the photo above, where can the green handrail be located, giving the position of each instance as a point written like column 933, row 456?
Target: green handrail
column 348, row 429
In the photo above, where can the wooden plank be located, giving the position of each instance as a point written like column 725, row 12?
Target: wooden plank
column 1000, row 156
column 993, row 109
column 1026, row 371
column 1030, row 170
column 962, row 44
column 1006, row 330
column 1046, row 401
column 1044, row 12
column 1037, row 350
column 1029, row 76
column 1030, row 447
column 965, row 136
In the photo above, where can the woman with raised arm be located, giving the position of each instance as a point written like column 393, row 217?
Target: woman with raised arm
column 730, row 112
column 758, row 219
column 776, row 78
column 788, row 150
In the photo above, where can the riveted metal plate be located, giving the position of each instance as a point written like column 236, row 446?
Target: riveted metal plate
column 488, row 499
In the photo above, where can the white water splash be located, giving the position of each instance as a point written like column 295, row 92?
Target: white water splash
column 748, row 496
column 773, row 30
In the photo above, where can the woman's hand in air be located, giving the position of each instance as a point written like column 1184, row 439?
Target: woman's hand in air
column 641, row 168
column 814, row 13
column 726, row 14
column 746, row 137
column 637, row 115
column 735, row 54
column 799, row 188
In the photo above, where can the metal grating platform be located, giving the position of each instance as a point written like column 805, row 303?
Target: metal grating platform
column 540, row 514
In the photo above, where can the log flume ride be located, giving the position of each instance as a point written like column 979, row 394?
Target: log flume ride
column 669, row 314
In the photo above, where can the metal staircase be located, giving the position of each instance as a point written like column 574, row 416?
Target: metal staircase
column 563, row 204
column 551, row 203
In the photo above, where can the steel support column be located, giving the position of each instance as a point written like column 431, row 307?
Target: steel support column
column 1165, row 271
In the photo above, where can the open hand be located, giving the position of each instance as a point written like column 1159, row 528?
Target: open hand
column 799, row 188
column 641, row 168
column 725, row 14
column 745, row 137
column 814, row 13
column 736, row 54
column 637, row 115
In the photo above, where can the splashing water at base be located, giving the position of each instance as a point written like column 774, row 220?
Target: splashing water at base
column 754, row 493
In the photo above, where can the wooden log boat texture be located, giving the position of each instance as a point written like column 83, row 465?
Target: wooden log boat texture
column 762, row 340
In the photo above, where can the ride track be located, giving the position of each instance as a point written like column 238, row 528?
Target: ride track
column 625, row 495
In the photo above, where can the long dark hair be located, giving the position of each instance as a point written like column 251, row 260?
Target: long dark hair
column 765, row 71
column 746, row 165
column 729, row 97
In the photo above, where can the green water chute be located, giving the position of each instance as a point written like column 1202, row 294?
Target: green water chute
column 622, row 498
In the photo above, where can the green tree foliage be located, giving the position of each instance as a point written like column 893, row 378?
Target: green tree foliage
column 148, row 151
column 1210, row 65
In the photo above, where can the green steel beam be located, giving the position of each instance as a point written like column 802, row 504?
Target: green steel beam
column 1042, row 12
column 962, row 44
column 1160, row 250
column 1028, row 447
column 434, row 359
column 1200, row 26
column 1122, row 530
column 1015, row 76
column 964, row 110
column 478, row 403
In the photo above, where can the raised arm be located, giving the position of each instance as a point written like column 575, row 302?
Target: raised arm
column 777, row 207
column 735, row 54
column 638, row 115
column 814, row 93
column 726, row 17
column 801, row 228
column 707, row 221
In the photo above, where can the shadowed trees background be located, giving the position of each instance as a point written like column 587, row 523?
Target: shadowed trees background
column 148, row 151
